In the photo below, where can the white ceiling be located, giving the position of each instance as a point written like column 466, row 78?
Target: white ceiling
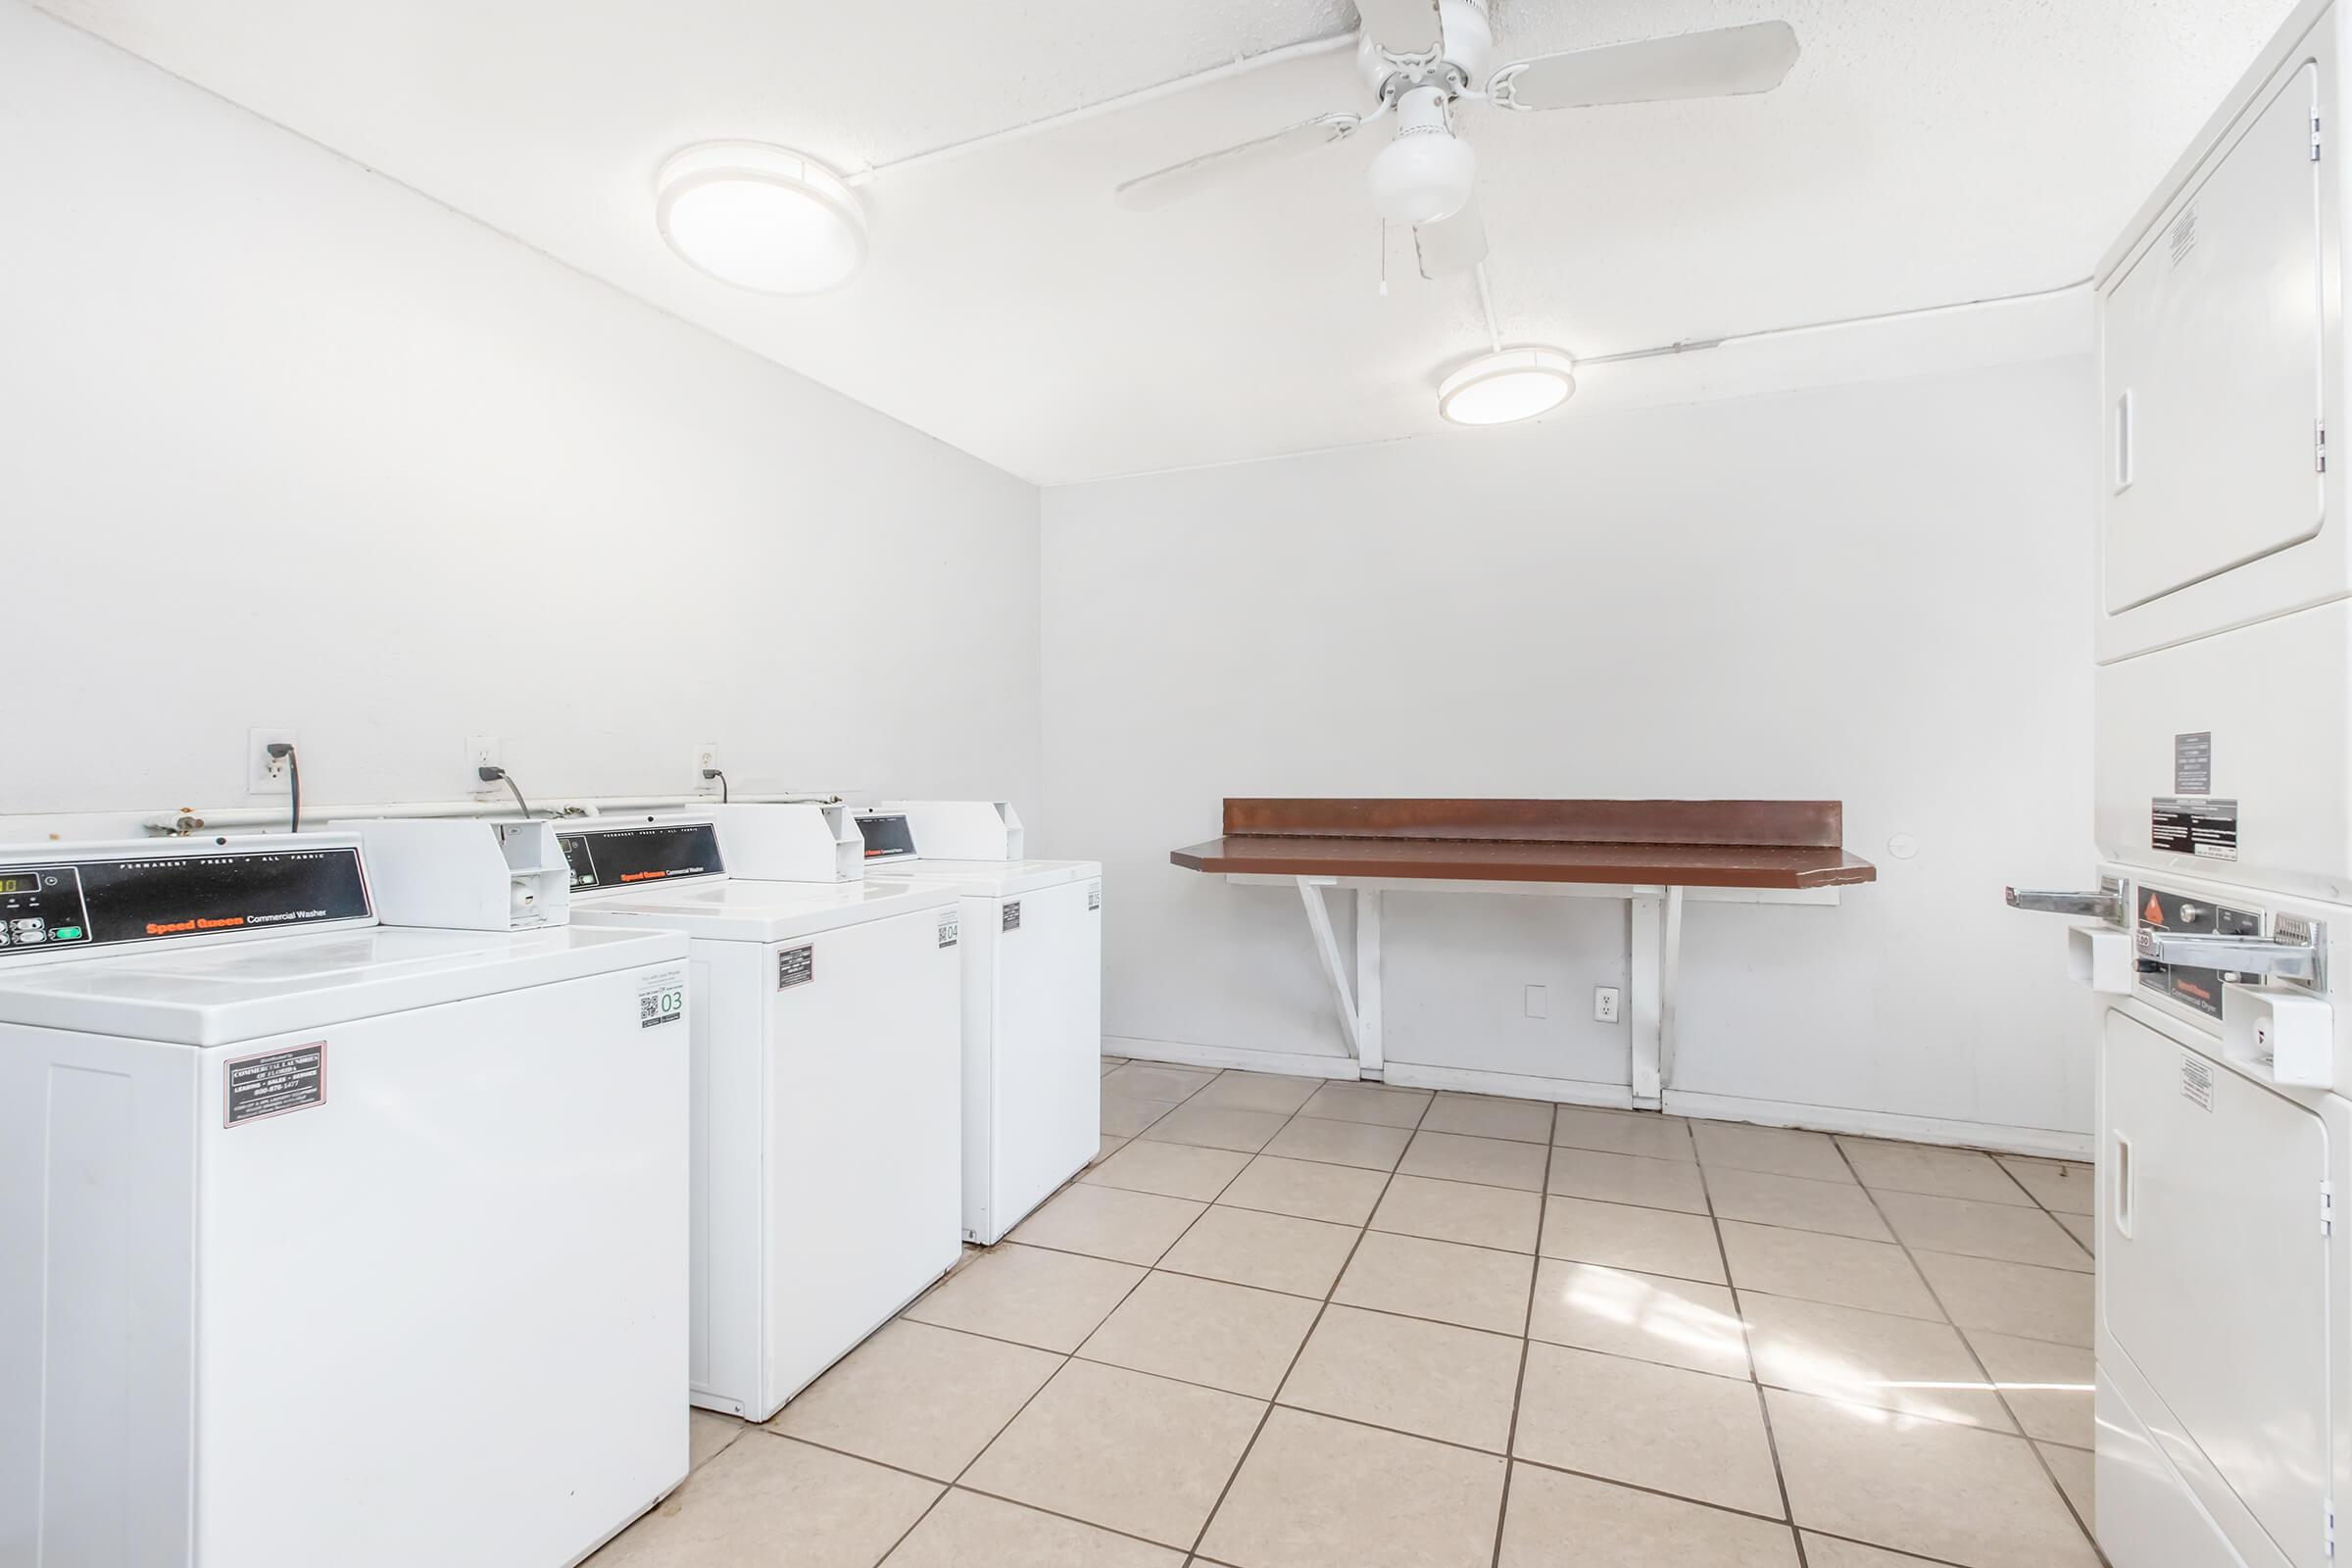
column 1919, row 154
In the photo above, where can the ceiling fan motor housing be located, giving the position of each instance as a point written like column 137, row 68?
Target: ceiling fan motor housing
column 1456, row 60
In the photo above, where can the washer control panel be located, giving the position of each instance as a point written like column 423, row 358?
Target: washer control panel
column 60, row 905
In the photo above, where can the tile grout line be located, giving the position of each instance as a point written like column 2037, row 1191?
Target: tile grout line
column 1527, row 1347
column 1756, row 1375
column 1977, row 1360
column 1267, row 1415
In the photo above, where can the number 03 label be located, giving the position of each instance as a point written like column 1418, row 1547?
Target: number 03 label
column 661, row 999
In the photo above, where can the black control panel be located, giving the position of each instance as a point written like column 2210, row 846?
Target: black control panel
column 77, row 903
column 625, row 857
column 887, row 836
column 2181, row 912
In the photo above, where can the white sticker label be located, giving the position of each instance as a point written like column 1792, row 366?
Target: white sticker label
column 950, row 928
column 2196, row 1080
column 1094, row 895
column 661, row 999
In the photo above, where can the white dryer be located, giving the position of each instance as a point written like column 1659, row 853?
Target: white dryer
column 323, row 1242
column 2224, row 820
column 826, row 1111
column 1032, row 997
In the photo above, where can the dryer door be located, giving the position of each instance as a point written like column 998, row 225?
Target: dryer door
column 2215, row 1278
column 2211, row 359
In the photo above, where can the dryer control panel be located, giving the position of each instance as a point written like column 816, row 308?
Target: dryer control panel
column 2184, row 915
column 47, row 907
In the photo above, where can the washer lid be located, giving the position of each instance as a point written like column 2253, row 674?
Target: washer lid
column 763, row 911
column 217, row 996
column 993, row 878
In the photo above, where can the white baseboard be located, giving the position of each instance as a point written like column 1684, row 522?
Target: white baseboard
column 1184, row 1053
column 1510, row 1085
column 2043, row 1141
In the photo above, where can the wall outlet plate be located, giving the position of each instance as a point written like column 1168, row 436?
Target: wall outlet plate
column 1604, row 1004
column 705, row 755
column 483, row 750
column 266, row 775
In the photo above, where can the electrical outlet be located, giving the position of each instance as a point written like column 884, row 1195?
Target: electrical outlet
column 1539, row 1002
column 705, row 755
column 266, row 775
column 1604, row 1003
column 483, row 750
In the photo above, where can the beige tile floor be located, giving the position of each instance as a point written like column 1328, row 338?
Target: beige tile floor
column 1287, row 1324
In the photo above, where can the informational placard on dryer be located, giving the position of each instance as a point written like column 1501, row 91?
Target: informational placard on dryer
column 661, row 999
column 257, row 1088
column 2187, row 825
column 2196, row 1080
column 2193, row 763
column 796, row 967
column 1094, row 895
column 1012, row 915
column 950, row 927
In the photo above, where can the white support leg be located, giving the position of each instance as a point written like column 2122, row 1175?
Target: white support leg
column 1327, row 947
column 1370, row 1060
column 1670, row 972
column 1646, row 982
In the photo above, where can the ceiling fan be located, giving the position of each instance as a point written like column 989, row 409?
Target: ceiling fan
column 1424, row 57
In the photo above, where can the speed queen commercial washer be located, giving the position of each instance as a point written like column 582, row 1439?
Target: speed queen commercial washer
column 826, row 1127
column 323, row 1242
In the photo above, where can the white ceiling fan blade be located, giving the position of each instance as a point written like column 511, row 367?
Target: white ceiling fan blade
column 1453, row 244
column 1401, row 27
column 1721, row 63
column 1210, row 169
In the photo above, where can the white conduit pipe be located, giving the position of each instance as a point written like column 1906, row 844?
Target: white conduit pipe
column 200, row 820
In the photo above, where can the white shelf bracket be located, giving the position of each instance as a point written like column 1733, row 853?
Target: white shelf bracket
column 1370, row 1051
column 1655, row 952
column 1327, row 947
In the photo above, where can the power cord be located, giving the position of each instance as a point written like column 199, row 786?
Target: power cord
column 712, row 773
column 281, row 751
column 499, row 775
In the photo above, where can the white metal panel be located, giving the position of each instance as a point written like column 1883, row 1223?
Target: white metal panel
column 2148, row 1517
column 2277, row 699
column 2216, row 1274
column 863, row 1143
column 2212, row 367
column 1033, row 1076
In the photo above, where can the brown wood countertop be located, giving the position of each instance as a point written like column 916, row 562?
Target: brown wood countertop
column 1724, row 844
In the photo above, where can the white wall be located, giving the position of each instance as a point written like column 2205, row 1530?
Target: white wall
column 1877, row 592
column 282, row 442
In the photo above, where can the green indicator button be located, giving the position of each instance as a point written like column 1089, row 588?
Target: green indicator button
column 65, row 933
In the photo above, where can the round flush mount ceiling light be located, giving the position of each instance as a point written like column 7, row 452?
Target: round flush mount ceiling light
column 1507, row 385
column 760, row 218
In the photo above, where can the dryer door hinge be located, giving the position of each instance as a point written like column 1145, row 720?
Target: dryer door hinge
column 2331, row 1529
column 2326, row 1208
column 2319, row 447
column 2314, row 139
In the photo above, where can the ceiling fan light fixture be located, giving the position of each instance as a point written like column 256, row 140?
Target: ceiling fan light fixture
column 1507, row 386
column 761, row 218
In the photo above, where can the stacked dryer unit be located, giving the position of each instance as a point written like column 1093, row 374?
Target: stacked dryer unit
column 325, row 1242
column 826, row 1118
column 2223, row 788
column 1032, row 997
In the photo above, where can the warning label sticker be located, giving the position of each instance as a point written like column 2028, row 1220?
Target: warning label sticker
column 661, row 999
column 2181, row 825
column 1094, row 895
column 1012, row 915
column 2193, row 763
column 2196, row 1081
column 950, row 929
column 257, row 1087
column 796, row 967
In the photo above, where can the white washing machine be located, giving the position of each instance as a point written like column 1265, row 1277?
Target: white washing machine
column 1032, row 997
column 2224, row 819
column 826, row 1111
column 323, row 1242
